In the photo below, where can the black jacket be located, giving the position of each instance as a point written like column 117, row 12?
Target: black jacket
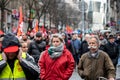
column 84, row 47
column 112, row 51
column 35, row 49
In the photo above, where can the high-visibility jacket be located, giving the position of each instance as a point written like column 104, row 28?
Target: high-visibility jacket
column 17, row 74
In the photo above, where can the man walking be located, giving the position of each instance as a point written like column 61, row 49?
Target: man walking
column 95, row 63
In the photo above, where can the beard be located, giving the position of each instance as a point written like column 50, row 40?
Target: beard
column 32, row 37
column 25, row 39
column 38, row 41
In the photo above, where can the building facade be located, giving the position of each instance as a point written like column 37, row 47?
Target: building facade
column 11, row 14
column 118, row 13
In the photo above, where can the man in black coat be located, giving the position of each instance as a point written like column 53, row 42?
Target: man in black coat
column 111, row 48
column 84, row 45
column 37, row 46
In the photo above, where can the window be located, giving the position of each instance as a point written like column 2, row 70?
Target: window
column 96, row 6
column 104, row 7
column 90, row 6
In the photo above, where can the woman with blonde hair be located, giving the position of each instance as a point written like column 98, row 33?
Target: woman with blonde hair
column 56, row 62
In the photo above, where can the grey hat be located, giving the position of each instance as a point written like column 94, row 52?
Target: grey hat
column 63, row 34
column 111, row 36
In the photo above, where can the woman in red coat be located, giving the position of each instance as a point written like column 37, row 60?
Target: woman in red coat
column 56, row 63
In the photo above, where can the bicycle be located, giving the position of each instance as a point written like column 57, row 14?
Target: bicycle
column 103, row 78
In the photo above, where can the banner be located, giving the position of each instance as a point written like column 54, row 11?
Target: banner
column 20, row 25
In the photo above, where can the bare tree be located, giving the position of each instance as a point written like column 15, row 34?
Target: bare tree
column 34, row 7
column 42, row 10
column 3, row 4
column 29, row 7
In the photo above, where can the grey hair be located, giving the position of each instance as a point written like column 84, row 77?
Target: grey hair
column 97, row 39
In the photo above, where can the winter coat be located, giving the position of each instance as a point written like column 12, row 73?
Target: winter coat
column 118, row 42
column 118, row 64
column 35, row 49
column 28, row 65
column 112, row 51
column 102, row 43
column 75, row 46
column 91, row 68
column 84, row 47
column 60, row 68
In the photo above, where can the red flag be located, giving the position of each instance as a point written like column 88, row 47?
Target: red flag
column 36, row 28
column 43, row 30
column 69, row 29
column 20, row 25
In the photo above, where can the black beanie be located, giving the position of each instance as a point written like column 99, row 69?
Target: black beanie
column 10, row 40
column 38, row 34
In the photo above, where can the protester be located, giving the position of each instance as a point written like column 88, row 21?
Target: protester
column 31, row 36
column 84, row 44
column 25, row 39
column 118, row 64
column 102, row 41
column 56, row 63
column 95, row 63
column 65, row 38
column 37, row 46
column 14, row 63
column 74, row 48
column 111, row 48
column 24, row 47
column 1, row 38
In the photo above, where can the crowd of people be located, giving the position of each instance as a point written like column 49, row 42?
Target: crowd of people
column 56, row 56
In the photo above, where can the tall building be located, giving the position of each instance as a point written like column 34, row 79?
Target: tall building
column 11, row 13
column 118, row 13
column 111, row 15
column 96, row 13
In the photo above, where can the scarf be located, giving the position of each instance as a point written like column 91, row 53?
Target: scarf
column 56, row 52
column 94, row 55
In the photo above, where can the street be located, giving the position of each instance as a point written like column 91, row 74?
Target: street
column 75, row 76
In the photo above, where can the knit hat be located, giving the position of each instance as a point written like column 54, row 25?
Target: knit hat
column 63, row 34
column 10, row 43
column 74, row 32
column 38, row 34
column 111, row 36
